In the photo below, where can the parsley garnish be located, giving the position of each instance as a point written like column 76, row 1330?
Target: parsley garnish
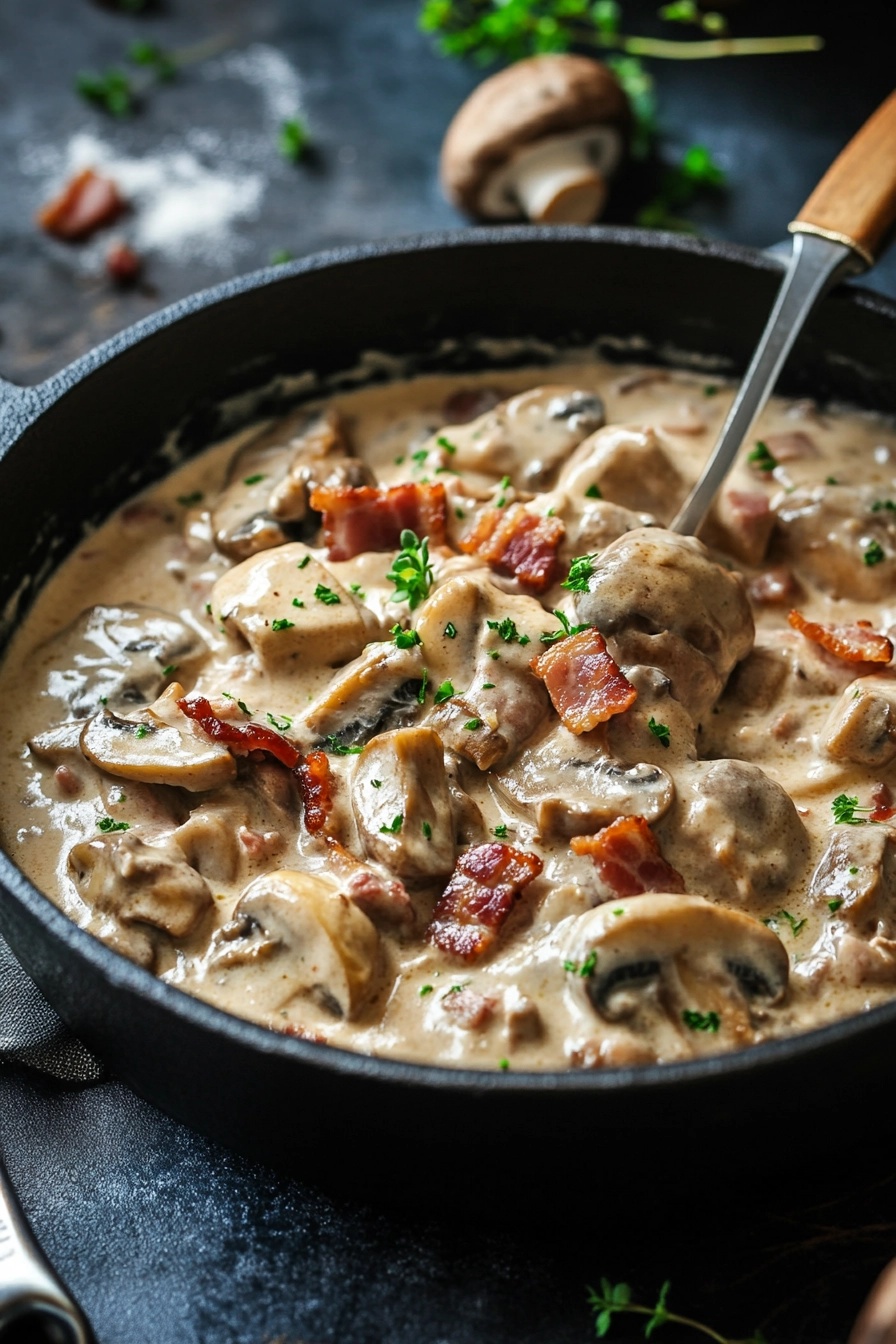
column 327, row 596
column 405, row 639
column 488, row 685
column 297, row 602
column 108, row 824
column 305, row 560
column 112, row 90
column 241, row 704
column 710, row 390
column 446, row 444
column 503, row 1065
column 459, row 513
column 357, row 590
column 593, row 492
column 659, row 730
column 698, row 1021
column 424, row 990
column 293, row 139
column 761, row 457
column 411, row 571
column 169, row 670
column 337, row 748
column 587, row 967
column 501, row 831
column 845, row 808
column 253, row 480
column 376, row 783
column 282, row 724
column 396, row 826
column 426, row 829
column 580, row 571
column 834, row 906
column 142, row 730
column 450, row 630
column 874, row 554
column 504, row 485
column 444, row 692
column 880, row 504
column 187, row 501
column 472, row 724
column 508, row 631
column 281, row 623
column 551, row 636
column 419, row 457
column 796, row 925
column 421, row 694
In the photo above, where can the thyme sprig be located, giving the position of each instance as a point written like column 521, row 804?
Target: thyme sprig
column 616, row 1299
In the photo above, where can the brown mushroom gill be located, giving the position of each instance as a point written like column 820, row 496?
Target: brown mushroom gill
column 345, row 842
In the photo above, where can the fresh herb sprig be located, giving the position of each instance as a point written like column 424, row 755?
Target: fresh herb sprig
column 411, row 570
column 615, row 1299
column 119, row 91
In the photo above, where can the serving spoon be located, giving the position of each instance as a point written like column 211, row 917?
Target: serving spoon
column 839, row 231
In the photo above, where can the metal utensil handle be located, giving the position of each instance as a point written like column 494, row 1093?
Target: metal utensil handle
column 29, row 1290
column 815, row 264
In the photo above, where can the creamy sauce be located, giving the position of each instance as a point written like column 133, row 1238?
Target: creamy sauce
column 736, row 909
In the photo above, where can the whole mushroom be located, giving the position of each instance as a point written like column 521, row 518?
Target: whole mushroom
column 540, row 139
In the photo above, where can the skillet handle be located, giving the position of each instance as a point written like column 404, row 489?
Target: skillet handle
column 12, row 403
column 855, row 201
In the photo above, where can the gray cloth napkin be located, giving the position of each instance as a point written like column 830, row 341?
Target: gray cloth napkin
column 32, row 1034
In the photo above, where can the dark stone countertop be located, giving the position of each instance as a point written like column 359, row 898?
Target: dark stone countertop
column 162, row 1235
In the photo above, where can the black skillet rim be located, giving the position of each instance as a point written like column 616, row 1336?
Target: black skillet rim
column 124, row 976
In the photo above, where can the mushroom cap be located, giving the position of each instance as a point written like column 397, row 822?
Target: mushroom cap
column 530, row 100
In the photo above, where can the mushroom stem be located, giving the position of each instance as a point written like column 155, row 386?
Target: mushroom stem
column 560, row 184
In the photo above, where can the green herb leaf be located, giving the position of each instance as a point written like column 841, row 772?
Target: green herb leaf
column 845, row 809
column 593, row 492
column 472, row 724
column 405, row 639
column 142, row 730
column 327, row 596
column 698, row 1021
column 580, row 572
column 448, row 446
column 444, row 692
column 761, row 457
column 411, row 570
column 426, row 829
column 282, row 722
column 112, row 91
column 337, row 748
column 424, row 990
column 874, row 554
column 796, row 925
column 451, row 630
column 834, row 906
column 109, row 824
column 660, row 731
column 293, row 139
column 421, row 694
column 588, row 966
column 187, row 501
column 501, row 831
column 304, row 562
column 253, row 480
column 162, row 63
column 281, row 623
column 508, row 631
column 395, row 827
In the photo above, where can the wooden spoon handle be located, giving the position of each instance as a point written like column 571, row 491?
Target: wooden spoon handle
column 855, row 201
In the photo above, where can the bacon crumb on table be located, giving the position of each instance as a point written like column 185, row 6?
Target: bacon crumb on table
column 627, row 856
column 369, row 518
column 518, row 544
column 857, row 643
column 484, row 887
column 86, row 203
column 584, row 681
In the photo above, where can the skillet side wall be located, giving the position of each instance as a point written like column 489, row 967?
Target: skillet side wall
column 94, row 438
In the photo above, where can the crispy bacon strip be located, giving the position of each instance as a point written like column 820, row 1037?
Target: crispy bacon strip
column 483, row 889
column 628, row 858
column 857, row 643
column 240, row 737
column 517, row 543
column 85, row 204
column 367, row 518
column 313, row 774
column 882, row 799
column 374, row 894
column 584, row 681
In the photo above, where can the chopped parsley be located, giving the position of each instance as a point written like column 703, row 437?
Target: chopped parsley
column 874, row 554
column 421, row 694
column 141, row 730
column 444, row 692
column 253, row 480
column 580, row 571
column 404, row 639
column 459, row 514
column 281, row 723
column 411, row 570
column 831, row 480
column 834, row 906
column 472, row 724
column 880, row 504
column 593, row 492
column 167, row 671
column 796, row 925
column 424, row 990
column 845, row 808
column 419, row 457
column 292, row 141
column 376, row 783
column 395, row 828
column 761, row 457
column 503, row 1065
column 189, row 500
column 508, row 631
column 710, row 390
column 326, row 595
column 587, row 967
column 337, row 748
column 660, row 731
column 505, row 485
column 297, row 602
column 357, row 590
column 501, row 831
column 208, row 608
column 241, row 704
column 488, row 685
column 446, row 444
column 281, row 623
column 426, row 829
column 698, row 1021
column 551, row 636
column 108, row 824
column 305, row 561
column 493, row 653
column 111, row 90
column 450, row 630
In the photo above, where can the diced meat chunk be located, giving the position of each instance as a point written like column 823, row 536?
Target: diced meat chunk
column 740, row 524
column 86, row 203
column 517, row 543
column 658, row 599
column 381, row 898
column 469, row 1009
column 583, row 680
column 861, row 727
column 857, row 643
column 832, row 537
column 291, row 610
column 773, row 587
column 368, row 519
column 629, row 467
column 628, row 858
column 402, row 803
column 795, row 446
column 484, row 888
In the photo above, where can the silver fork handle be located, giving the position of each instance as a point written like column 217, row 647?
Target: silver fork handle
column 29, row 1290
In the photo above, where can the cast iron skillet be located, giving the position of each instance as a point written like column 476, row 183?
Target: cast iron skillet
column 76, row 446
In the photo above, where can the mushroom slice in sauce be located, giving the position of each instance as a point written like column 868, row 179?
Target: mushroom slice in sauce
column 402, row 803
column 683, row 975
column 378, row 690
column 833, row 536
column 158, row 748
column 861, row 727
column 660, row 600
column 295, row 935
column 119, row 657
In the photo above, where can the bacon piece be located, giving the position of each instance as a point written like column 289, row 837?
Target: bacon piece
column 628, row 858
column 486, row 883
column 469, row 1008
column 85, row 204
column 773, row 587
column 857, row 643
column 372, row 893
column 517, row 543
column 882, row 799
column 123, row 264
column 584, row 681
column 241, row 738
column 313, row 774
column 791, row 447
column 368, row 518
column 746, row 521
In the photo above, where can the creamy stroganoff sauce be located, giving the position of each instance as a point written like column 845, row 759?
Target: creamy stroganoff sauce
column 674, row 845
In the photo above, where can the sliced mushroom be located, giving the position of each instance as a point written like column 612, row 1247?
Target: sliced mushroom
column 163, row 747
column 541, row 138
column 660, row 600
column 140, row 884
column 525, row 438
column 861, row 727
column 289, row 608
column 857, row 872
column 322, row 457
column 402, row 803
column 678, row 972
column 296, row 935
column 833, row 537
column 571, row 787
column 628, row 466
column 597, row 524
column 376, row 691
column 120, row 657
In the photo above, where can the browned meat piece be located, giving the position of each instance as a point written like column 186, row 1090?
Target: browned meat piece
column 629, row 467
column 861, row 727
